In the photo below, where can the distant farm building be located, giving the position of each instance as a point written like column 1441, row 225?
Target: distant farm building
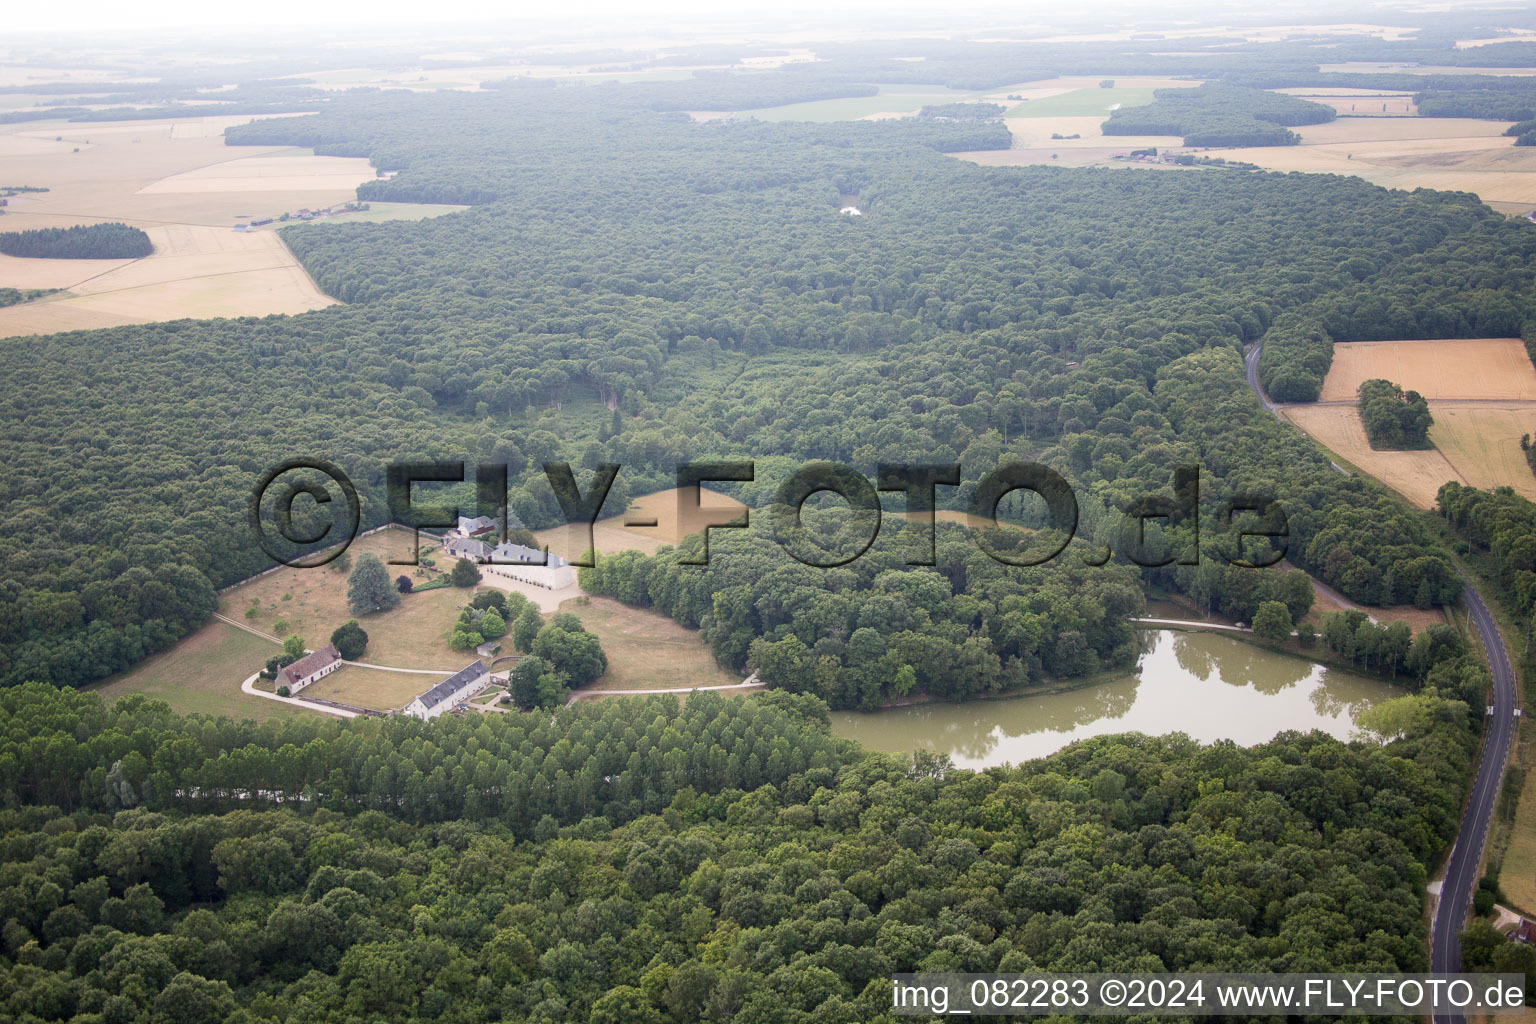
column 309, row 668
column 451, row 692
column 530, row 565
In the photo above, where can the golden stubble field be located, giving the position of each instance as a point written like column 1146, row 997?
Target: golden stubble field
column 1481, row 392
column 1417, row 476
column 178, row 181
column 1462, row 368
column 1448, row 153
column 1483, row 442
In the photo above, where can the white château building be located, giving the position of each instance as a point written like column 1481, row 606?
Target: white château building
column 530, row 565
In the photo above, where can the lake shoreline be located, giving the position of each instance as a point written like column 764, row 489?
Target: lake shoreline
column 1207, row 685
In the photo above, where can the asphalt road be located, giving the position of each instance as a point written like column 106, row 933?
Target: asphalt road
column 1477, row 816
column 1461, row 872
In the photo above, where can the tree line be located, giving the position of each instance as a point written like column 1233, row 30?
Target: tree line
column 106, row 241
column 1220, row 114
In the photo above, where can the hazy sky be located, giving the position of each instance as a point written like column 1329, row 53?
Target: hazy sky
column 162, row 15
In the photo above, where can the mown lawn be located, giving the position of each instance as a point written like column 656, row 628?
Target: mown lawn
column 646, row 650
column 202, row 675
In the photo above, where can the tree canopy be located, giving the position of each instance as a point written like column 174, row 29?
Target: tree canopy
column 106, row 241
column 695, row 861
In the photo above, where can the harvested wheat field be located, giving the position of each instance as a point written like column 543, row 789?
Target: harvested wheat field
column 1447, row 153
column 1417, row 476
column 268, row 174
column 1470, row 368
column 178, row 181
column 1443, row 131
column 1367, row 106
column 611, row 535
column 1372, row 68
column 1483, row 443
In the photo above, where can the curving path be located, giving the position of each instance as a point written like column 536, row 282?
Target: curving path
column 1466, row 854
column 249, row 629
column 749, row 683
column 1187, row 624
column 249, row 686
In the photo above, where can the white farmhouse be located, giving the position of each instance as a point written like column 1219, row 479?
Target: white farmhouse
column 307, row 669
column 451, row 692
column 530, row 565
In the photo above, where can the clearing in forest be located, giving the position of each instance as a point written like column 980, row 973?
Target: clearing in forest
column 1463, row 368
column 1481, row 392
column 645, row 649
column 202, row 674
column 611, row 535
column 313, row 602
column 1379, row 105
column 1517, row 871
column 1090, row 102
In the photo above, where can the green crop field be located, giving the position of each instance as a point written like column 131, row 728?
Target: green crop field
column 1082, row 103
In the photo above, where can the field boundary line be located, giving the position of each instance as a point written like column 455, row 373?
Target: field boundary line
column 391, row 668
column 249, row 629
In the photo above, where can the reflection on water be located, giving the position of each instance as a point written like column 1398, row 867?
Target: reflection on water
column 1211, row 687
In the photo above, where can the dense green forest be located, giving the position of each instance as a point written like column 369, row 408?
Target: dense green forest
column 1220, row 114
column 875, row 629
column 1502, row 104
column 107, row 241
column 1502, row 525
column 964, row 111
column 1297, row 355
column 646, row 862
column 699, row 278
column 1394, row 419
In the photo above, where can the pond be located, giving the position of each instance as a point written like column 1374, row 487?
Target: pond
column 1211, row 687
